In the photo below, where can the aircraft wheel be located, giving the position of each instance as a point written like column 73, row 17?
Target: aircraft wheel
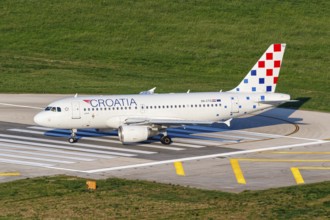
column 72, row 140
column 166, row 140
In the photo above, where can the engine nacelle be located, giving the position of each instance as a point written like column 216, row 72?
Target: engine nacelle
column 133, row 134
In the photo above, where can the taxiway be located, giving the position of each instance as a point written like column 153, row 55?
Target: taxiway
column 279, row 147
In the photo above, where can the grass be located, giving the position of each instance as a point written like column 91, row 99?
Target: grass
column 113, row 47
column 67, row 197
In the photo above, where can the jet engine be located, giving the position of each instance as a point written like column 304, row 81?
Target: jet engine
column 132, row 134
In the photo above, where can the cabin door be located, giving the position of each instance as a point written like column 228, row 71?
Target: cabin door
column 75, row 110
column 234, row 105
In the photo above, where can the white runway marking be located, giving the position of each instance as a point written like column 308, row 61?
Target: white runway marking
column 26, row 163
column 203, row 157
column 46, row 149
column 79, row 133
column 251, row 133
column 67, row 148
column 167, row 147
column 199, row 141
column 36, row 158
column 109, row 136
column 188, row 145
column 77, row 144
column 20, row 106
column 46, row 155
column 210, row 133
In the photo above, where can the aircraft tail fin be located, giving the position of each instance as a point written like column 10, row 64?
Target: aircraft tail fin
column 264, row 74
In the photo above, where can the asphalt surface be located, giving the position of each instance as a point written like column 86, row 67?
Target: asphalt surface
column 279, row 147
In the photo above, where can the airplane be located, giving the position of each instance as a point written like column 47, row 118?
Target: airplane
column 138, row 117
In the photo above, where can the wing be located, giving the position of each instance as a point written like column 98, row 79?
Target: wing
column 170, row 122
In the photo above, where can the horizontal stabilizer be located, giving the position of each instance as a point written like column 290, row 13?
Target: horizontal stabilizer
column 276, row 102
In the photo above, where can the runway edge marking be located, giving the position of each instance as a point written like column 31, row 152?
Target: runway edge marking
column 202, row 157
column 188, row 158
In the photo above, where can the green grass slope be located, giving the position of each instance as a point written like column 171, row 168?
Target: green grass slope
column 113, row 47
column 66, row 197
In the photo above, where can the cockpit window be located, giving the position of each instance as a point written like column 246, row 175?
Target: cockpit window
column 53, row 109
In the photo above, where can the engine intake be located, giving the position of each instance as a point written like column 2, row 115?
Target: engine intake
column 133, row 134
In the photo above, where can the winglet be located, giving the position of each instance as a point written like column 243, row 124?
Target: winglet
column 149, row 92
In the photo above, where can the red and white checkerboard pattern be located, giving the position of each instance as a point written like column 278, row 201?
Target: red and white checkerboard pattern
column 264, row 74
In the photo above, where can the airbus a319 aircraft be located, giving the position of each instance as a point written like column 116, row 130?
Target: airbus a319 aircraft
column 138, row 117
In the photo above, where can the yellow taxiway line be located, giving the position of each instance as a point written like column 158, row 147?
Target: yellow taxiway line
column 314, row 168
column 297, row 175
column 237, row 171
column 179, row 168
column 295, row 170
column 10, row 174
column 280, row 160
column 298, row 152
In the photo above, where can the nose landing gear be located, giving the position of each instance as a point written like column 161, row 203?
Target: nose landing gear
column 73, row 138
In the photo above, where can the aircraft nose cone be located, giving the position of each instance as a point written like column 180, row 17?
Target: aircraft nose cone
column 40, row 119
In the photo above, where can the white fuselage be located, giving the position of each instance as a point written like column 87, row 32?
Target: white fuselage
column 111, row 111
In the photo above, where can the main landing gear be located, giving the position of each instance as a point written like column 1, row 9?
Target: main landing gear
column 73, row 138
column 165, row 139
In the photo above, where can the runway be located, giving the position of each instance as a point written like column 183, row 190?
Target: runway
column 279, row 147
